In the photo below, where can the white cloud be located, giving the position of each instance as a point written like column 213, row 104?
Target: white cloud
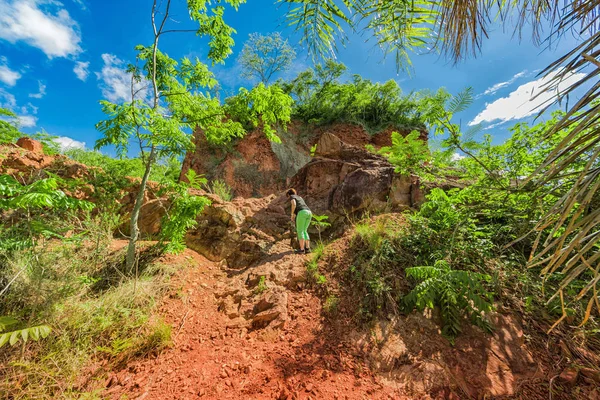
column 8, row 76
column 81, row 70
column 456, row 157
column 66, row 143
column 41, row 92
column 525, row 100
column 81, row 4
column 31, row 107
column 493, row 89
column 27, row 121
column 115, row 81
column 7, row 100
column 31, row 21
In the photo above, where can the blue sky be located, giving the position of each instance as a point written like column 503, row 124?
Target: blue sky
column 58, row 59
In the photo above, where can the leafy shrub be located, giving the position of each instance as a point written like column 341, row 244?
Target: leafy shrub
column 320, row 222
column 406, row 153
column 312, row 266
column 456, row 293
column 322, row 98
column 262, row 285
column 180, row 217
column 221, row 189
column 166, row 170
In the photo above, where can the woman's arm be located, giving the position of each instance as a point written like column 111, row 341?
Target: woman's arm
column 293, row 209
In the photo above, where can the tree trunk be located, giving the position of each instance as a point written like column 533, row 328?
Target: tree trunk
column 135, row 214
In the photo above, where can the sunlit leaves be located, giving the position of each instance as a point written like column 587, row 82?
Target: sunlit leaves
column 458, row 294
column 9, row 131
column 34, row 333
column 41, row 194
column 407, row 153
column 263, row 105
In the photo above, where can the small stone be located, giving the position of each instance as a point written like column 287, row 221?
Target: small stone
column 309, row 387
column 569, row 376
column 228, row 383
column 223, row 374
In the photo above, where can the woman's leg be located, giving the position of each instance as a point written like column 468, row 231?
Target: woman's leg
column 299, row 230
column 304, row 223
column 306, row 237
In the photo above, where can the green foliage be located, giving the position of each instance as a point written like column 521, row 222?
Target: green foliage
column 262, row 285
column 456, row 293
column 96, row 311
column 375, row 273
column 34, row 333
column 407, row 153
column 195, row 181
column 320, row 222
column 9, row 126
column 10, row 133
column 322, row 98
column 180, row 216
column 312, row 266
column 221, row 189
column 165, row 170
column 41, row 194
column 38, row 210
column 265, row 106
column 398, row 27
column 262, row 57
column 331, row 304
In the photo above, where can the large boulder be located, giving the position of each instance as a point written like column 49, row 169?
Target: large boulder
column 344, row 179
column 240, row 231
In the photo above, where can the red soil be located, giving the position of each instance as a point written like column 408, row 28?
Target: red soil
column 210, row 359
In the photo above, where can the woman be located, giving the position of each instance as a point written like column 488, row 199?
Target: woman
column 301, row 215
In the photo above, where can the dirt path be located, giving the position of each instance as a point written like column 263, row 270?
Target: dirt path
column 214, row 357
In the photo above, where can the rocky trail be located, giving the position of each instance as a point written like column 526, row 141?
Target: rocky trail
column 239, row 336
column 284, row 349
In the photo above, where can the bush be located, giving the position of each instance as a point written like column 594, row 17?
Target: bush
column 94, row 310
column 221, row 189
column 456, row 293
column 322, row 98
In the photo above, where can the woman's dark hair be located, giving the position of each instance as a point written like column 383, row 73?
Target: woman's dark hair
column 290, row 192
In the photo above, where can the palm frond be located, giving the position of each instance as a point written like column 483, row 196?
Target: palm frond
column 321, row 23
column 568, row 234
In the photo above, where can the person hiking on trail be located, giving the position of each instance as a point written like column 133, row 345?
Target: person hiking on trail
column 301, row 215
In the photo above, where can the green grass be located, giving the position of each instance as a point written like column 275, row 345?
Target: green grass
column 97, row 312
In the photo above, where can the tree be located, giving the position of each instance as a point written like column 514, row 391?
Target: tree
column 180, row 100
column 264, row 56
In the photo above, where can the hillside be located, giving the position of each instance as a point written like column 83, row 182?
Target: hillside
column 246, row 318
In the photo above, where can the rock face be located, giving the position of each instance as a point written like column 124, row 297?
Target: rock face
column 344, row 179
column 26, row 160
column 411, row 351
column 254, row 167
